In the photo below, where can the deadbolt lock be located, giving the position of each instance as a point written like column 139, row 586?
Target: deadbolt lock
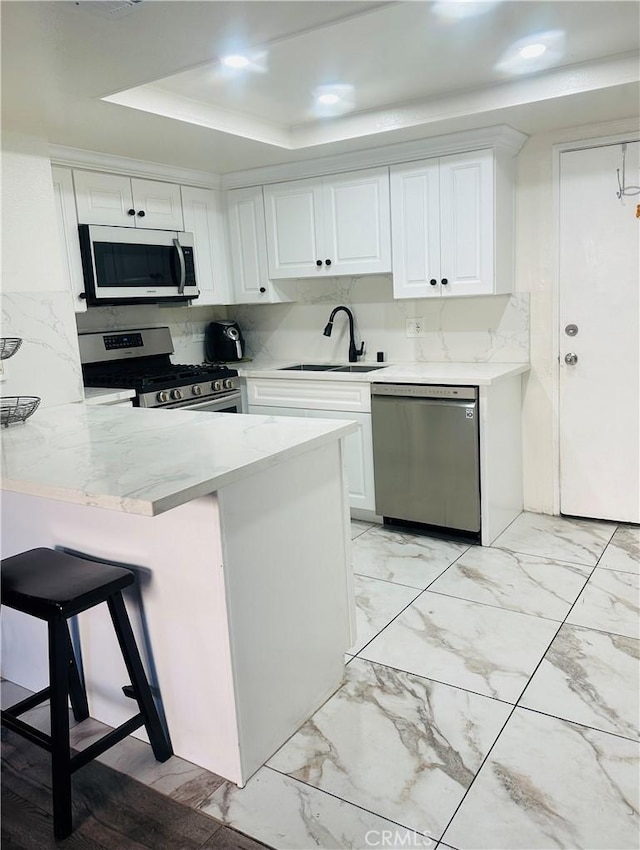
column 571, row 330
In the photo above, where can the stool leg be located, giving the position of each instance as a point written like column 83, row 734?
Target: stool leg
column 77, row 693
column 60, row 751
column 158, row 735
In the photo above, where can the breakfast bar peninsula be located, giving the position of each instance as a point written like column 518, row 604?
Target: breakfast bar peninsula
column 238, row 530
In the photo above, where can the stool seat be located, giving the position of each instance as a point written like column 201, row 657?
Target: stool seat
column 46, row 583
column 54, row 586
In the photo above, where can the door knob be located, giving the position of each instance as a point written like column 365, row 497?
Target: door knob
column 571, row 359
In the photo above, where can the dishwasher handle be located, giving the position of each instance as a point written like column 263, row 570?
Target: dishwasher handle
column 430, row 391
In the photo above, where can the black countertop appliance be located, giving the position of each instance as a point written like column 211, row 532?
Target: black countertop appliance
column 224, row 342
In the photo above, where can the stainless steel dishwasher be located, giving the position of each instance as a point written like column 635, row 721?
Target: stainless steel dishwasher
column 426, row 455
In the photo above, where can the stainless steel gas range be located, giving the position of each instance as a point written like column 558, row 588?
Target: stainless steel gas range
column 139, row 359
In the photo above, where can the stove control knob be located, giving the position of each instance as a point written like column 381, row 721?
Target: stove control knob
column 176, row 394
column 163, row 396
column 216, row 386
column 196, row 389
column 228, row 384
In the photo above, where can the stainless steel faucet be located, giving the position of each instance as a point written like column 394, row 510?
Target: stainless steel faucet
column 354, row 352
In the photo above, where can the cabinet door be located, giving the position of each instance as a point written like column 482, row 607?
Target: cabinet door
column 358, row 455
column 203, row 216
column 293, row 213
column 157, row 205
column 415, row 221
column 357, row 226
column 247, row 246
column 467, row 223
column 68, row 234
column 104, row 198
column 358, row 449
column 126, row 202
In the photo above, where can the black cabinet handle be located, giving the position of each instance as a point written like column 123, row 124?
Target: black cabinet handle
column 262, row 289
column 433, row 281
column 142, row 214
column 82, row 295
column 444, row 281
column 131, row 212
column 318, row 262
column 327, row 262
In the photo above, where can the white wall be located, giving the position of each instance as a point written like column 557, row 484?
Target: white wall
column 536, row 274
column 36, row 303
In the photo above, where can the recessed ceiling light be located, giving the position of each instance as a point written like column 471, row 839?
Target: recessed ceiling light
column 236, row 60
column 536, row 52
column 532, row 51
column 328, row 99
column 332, row 99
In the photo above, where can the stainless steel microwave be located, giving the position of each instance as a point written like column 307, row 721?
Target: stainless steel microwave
column 126, row 265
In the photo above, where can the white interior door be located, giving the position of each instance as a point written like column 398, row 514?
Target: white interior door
column 599, row 365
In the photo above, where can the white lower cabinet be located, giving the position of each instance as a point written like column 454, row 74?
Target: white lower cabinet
column 326, row 400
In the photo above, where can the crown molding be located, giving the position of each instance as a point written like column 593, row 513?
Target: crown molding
column 501, row 137
column 92, row 161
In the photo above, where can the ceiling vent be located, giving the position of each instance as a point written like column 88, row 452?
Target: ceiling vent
column 110, row 9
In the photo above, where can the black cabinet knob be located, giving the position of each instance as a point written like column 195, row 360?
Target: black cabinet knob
column 444, row 281
column 433, row 281
column 141, row 214
column 262, row 289
column 82, row 295
column 131, row 212
column 318, row 262
column 327, row 262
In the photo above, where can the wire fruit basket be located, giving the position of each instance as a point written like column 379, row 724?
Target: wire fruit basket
column 17, row 408
column 9, row 346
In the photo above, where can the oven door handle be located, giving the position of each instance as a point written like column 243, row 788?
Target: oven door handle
column 234, row 397
column 183, row 268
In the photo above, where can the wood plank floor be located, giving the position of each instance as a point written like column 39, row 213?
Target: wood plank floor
column 111, row 811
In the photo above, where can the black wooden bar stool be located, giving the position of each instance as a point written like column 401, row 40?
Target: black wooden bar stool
column 55, row 586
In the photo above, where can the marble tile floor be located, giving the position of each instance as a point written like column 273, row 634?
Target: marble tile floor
column 491, row 700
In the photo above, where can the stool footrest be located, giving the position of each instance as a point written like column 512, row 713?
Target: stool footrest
column 107, row 741
column 26, row 731
column 28, row 703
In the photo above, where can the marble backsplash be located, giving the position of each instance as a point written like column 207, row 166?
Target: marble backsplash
column 47, row 364
column 468, row 330
column 187, row 324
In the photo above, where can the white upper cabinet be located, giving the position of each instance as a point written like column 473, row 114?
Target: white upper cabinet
column 446, row 214
column 127, row 201
column 336, row 225
column 248, row 249
column 204, row 217
column 68, row 234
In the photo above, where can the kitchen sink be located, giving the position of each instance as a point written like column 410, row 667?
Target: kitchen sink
column 329, row 367
column 357, row 368
column 309, row 367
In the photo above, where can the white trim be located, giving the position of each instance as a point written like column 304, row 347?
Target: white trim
column 501, row 137
column 558, row 150
column 94, row 161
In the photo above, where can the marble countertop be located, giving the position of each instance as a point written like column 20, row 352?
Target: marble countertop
column 476, row 374
column 101, row 395
column 145, row 461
